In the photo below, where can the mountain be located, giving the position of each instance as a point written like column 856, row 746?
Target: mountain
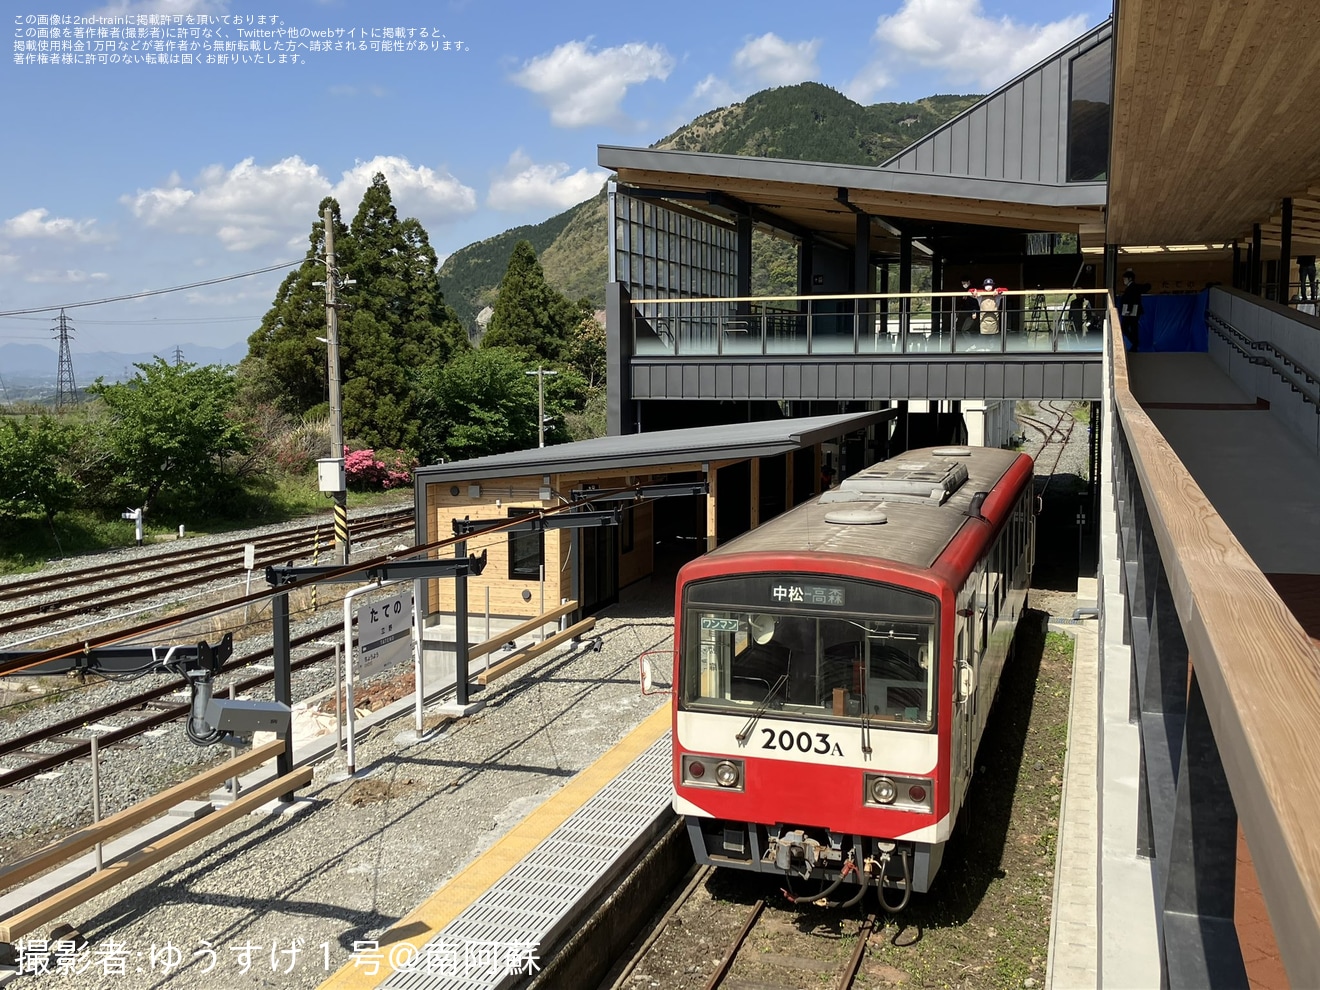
column 35, row 363
column 807, row 122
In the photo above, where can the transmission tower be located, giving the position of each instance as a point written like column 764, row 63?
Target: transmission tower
column 178, row 357
column 66, row 389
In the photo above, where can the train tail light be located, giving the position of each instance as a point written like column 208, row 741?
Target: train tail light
column 713, row 771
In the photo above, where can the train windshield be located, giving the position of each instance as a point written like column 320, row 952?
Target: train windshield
column 800, row 661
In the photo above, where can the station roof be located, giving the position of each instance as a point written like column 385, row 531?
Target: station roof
column 632, row 452
column 1214, row 122
column 824, row 197
column 1212, row 126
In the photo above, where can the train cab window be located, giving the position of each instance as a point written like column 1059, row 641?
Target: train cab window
column 833, row 667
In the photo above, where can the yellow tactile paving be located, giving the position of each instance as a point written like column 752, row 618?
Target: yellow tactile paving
column 449, row 901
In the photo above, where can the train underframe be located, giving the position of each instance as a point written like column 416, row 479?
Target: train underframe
column 817, row 854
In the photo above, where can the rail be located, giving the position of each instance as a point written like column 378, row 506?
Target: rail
column 1014, row 321
column 1228, row 740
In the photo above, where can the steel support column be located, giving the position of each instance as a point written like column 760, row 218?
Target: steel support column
column 283, row 680
column 1254, row 261
column 1285, row 252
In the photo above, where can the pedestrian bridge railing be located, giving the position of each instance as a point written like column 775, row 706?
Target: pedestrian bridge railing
column 1013, row 322
column 1225, row 692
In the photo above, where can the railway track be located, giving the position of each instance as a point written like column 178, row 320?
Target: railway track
column 57, row 744
column 1055, row 438
column 31, row 608
column 768, row 947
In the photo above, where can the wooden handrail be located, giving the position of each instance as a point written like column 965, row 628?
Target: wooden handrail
column 152, row 807
column 522, row 629
column 121, row 869
column 532, row 652
column 1259, row 674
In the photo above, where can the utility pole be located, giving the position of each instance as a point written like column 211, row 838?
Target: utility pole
column 540, row 374
column 336, row 409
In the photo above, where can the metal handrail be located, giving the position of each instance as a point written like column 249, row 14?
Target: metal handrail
column 1241, row 343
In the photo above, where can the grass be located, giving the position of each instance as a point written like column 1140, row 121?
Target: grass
column 986, row 922
column 28, row 543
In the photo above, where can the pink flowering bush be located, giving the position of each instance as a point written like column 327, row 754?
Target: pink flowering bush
column 371, row 470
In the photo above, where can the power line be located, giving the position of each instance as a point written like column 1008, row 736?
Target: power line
column 154, row 319
column 151, row 292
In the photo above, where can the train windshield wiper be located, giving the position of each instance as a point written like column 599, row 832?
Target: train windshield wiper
column 761, row 709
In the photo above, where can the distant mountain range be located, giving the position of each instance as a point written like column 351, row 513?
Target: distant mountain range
column 36, row 365
column 807, row 122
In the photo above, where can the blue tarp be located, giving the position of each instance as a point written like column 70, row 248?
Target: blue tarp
column 1174, row 323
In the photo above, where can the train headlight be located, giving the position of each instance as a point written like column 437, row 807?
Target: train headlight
column 897, row 792
column 883, row 790
column 712, row 771
column 727, row 774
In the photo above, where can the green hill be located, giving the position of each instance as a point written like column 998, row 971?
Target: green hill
column 807, row 122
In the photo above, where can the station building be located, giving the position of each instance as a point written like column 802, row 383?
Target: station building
column 1091, row 162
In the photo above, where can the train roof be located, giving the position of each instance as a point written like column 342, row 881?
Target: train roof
column 905, row 509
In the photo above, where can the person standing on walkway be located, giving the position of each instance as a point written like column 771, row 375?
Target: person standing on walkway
column 1129, row 309
column 964, row 308
column 1306, row 272
column 990, row 302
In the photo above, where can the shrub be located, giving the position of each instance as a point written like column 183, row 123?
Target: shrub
column 371, row 470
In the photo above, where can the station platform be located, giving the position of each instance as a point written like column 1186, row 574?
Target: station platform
column 1256, row 472
column 482, row 929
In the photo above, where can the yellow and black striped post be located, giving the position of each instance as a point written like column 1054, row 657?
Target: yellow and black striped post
column 341, row 527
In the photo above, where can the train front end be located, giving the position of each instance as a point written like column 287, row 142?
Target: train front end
column 807, row 721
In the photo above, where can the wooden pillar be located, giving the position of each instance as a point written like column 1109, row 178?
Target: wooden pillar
column 790, row 472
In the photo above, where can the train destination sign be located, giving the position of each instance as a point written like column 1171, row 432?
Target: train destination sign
column 807, row 594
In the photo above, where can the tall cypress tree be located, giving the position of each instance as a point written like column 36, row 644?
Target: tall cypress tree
column 397, row 323
column 529, row 317
column 286, row 363
column 392, row 322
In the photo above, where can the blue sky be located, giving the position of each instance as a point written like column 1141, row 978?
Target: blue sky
column 120, row 178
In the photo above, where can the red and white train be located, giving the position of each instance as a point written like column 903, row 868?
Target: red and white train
column 834, row 669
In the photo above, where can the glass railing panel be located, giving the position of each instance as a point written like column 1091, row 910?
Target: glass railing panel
column 1006, row 322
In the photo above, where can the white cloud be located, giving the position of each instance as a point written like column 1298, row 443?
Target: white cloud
column 415, row 189
column 249, row 205
column 525, row 185
column 583, row 87
column 771, row 61
column 37, row 223
column 246, row 206
column 714, row 91
column 957, row 39
column 761, row 63
column 69, row 276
